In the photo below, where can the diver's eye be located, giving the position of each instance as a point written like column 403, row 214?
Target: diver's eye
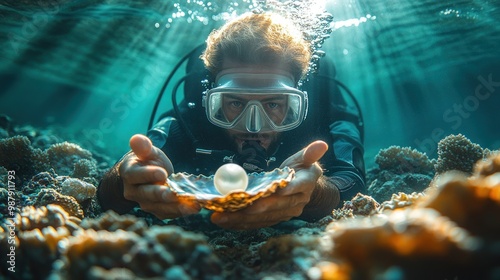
column 272, row 105
column 236, row 104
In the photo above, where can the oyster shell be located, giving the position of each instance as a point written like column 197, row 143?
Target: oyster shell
column 201, row 189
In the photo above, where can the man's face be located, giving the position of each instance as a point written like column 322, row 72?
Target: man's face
column 274, row 107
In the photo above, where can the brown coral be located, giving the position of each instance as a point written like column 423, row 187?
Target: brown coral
column 489, row 166
column 94, row 248
column 38, row 232
column 412, row 238
column 473, row 204
column 111, row 221
column 51, row 215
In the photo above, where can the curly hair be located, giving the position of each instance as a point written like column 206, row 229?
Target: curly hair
column 258, row 39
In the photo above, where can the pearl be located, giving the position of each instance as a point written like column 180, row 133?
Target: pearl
column 230, row 177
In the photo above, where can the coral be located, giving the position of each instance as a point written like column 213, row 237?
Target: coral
column 42, row 180
column 78, row 189
column 84, row 168
column 45, row 140
column 456, row 152
column 400, row 160
column 489, row 166
column 111, row 221
column 68, row 203
column 283, row 252
column 161, row 251
column 472, row 203
column 448, row 229
column 412, row 239
column 17, row 154
column 343, row 213
column 400, row 169
column 400, row 200
column 37, row 234
column 51, row 215
column 362, row 205
column 63, row 156
column 93, row 248
column 388, row 183
column 39, row 248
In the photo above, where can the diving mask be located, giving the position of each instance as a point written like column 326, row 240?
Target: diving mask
column 255, row 102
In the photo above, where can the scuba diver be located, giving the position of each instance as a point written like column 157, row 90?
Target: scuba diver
column 253, row 114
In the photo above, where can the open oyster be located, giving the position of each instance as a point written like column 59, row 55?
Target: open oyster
column 201, row 189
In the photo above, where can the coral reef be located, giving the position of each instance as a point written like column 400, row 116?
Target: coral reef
column 456, row 152
column 42, row 176
column 17, row 154
column 425, row 228
column 399, row 170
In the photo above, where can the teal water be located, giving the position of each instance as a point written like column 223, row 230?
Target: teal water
column 421, row 70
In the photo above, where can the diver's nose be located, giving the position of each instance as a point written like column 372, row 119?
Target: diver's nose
column 254, row 120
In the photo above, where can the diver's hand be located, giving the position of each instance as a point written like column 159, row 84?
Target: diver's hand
column 285, row 203
column 144, row 172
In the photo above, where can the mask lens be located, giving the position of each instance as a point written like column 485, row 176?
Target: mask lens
column 278, row 107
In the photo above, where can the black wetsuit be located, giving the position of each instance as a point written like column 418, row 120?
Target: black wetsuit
column 329, row 119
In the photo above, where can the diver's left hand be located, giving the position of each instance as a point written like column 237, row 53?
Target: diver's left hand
column 285, row 203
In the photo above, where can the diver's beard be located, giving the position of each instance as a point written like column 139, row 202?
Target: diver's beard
column 265, row 140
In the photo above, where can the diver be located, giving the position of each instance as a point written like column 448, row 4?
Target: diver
column 252, row 114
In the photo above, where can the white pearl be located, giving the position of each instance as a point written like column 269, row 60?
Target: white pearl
column 230, row 177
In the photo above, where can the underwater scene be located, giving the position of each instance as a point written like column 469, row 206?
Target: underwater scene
column 78, row 79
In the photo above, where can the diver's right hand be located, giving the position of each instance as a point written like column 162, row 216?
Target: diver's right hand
column 144, row 171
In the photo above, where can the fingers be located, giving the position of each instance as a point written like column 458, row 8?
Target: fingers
column 160, row 201
column 314, row 152
column 150, row 193
column 133, row 173
column 307, row 156
column 142, row 147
